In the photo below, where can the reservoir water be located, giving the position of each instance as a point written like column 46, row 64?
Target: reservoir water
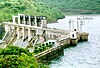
column 85, row 54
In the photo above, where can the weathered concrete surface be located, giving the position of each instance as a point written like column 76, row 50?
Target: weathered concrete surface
column 73, row 41
column 84, row 36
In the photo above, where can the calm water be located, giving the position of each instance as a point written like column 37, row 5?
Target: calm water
column 85, row 54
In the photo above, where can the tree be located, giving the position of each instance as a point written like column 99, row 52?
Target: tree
column 15, row 57
column 15, row 61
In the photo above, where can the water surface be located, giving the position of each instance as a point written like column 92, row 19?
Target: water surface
column 85, row 54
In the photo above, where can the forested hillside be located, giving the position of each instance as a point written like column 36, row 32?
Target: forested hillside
column 13, row 7
column 75, row 6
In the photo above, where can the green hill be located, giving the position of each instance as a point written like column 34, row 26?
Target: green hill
column 13, row 7
column 75, row 6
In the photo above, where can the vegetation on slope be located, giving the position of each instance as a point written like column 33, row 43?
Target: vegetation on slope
column 42, row 47
column 13, row 7
column 75, row 6
column 1, row 31
column 15, row 57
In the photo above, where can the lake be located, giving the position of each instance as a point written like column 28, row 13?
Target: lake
column 85, row 54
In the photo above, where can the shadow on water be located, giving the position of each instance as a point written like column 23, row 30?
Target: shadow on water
column 71, row 46
column 54, row 59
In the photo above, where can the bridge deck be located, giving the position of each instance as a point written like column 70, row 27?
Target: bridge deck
column 35, row 27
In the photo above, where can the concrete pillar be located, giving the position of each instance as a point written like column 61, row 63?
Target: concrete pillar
column 73, row 34
column 72, row 25
column 69, row 25
column 73, row 41
column 29, row 34
column 18, row 19
column 81, row 25
column 12, row 28
column 35, row 21
column 77, row 25
column 44, row 23
column 84, row 36
column 23, row 31
column 18, row 33
column 33, row 33
column 73, row 37
column 13, row 18
column 79, row 37
column 24, row 19
column 6, row 28
column 29, row 20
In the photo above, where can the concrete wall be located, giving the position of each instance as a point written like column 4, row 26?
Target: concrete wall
column 84, row 36
column 52, row 52
column 49, row 54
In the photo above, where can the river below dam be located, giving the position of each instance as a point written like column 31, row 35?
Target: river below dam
column 85, row 54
